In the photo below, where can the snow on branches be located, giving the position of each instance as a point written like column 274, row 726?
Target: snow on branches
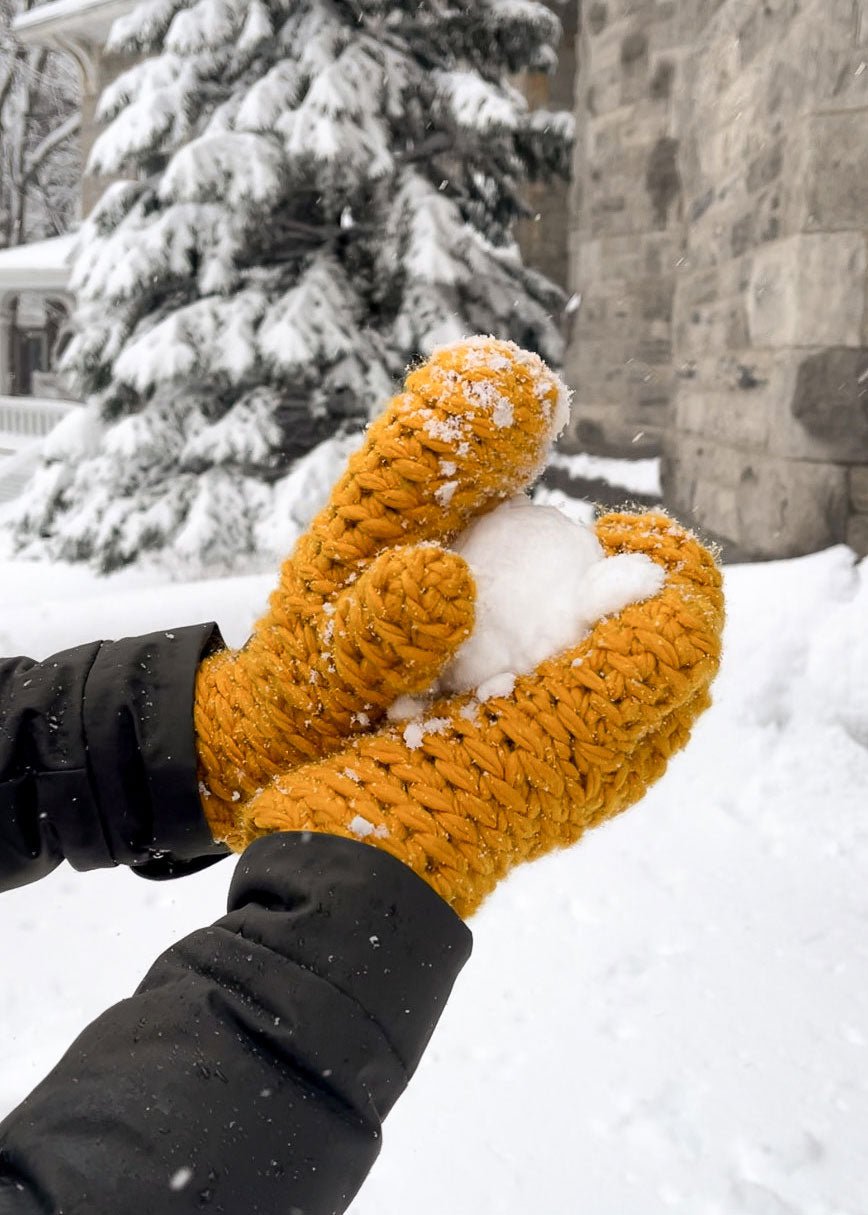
column 324, row 191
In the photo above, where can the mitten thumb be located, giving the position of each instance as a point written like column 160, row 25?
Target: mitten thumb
column 285, row 699
column 398, row 625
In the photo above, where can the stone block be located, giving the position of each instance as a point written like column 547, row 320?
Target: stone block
column 592, row 323
column 694, row 185
column 613, row 211
column 700, row 459
column 767, row 507
column 641, row 127
column 765, row 167
column 836, row 20
column 808, row 290
column 575, row 243
column 785, row 89
column 830, row 402
column 604, row 94
column 791, row 507
column 731, row 417
column 660, row 255
column 719, row 325
column 765, row 25
column 597, row 17
column 836, row 181
column 857, row 535
column 598, row 370
column 653, row 414
column 604, row 137
column 654, row 351
column 695, row 288
column 838, row 79
column 602, row 430
column 662, row 179
column 798, row 404
column 711, row 69
column 664, row 34
column 587, row 261
column 615, row 259
column 656, row 298
column 715, row 508
column 664, row 77
column 859, row 488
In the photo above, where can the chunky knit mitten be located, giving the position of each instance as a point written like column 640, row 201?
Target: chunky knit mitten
column 369, row 606
column 474, row 788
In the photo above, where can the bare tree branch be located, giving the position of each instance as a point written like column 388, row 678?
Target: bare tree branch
column 39, row 176
column 50, row 144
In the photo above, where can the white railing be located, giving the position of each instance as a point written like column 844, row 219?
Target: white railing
column 24, row 423
column 30, row 417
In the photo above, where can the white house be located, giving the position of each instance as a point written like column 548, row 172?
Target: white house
column 35, row 301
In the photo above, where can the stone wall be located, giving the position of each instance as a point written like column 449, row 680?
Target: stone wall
column 626, row 222
column 543, row 237
column 721, row 246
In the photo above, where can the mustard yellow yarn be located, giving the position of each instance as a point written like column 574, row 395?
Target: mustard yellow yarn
column 576, row 742
column 365, row 610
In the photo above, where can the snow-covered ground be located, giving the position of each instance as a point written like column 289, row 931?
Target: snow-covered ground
column 635, row 476
column 671, row 1017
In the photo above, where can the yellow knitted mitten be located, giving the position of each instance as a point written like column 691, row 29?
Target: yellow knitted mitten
column 369, row 607
column 474, row 789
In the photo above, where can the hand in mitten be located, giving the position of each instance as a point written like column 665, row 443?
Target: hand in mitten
column 473, row 788
column 369, row 606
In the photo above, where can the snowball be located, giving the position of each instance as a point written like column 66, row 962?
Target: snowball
column 542, row 582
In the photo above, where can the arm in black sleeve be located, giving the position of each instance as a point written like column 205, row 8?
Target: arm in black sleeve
column 97, row 758
column 252, row 1068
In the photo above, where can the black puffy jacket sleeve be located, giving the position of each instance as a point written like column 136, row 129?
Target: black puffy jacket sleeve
column 97, row 758
column 250, row 1072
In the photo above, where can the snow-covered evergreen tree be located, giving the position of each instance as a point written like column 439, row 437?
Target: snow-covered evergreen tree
column 322, row 191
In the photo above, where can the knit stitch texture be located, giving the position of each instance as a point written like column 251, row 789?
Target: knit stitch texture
column 476, row 788
column 368, row 607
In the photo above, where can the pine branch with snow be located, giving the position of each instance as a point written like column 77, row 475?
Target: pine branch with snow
column 320, row 194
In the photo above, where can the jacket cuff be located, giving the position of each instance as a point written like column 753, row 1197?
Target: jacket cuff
column 137, row 718
column 400, row 948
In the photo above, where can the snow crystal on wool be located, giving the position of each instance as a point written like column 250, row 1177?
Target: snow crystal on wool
column 484, row 393
column 498, row 685
column 477, row 353
column 415, row 730
column 413, row 735
column 406, row 707
column 446, row 492
column 447, row 430
column 362, row 827
column 542, row 582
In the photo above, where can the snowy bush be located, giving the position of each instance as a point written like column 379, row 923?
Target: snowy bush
column 323, row 192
